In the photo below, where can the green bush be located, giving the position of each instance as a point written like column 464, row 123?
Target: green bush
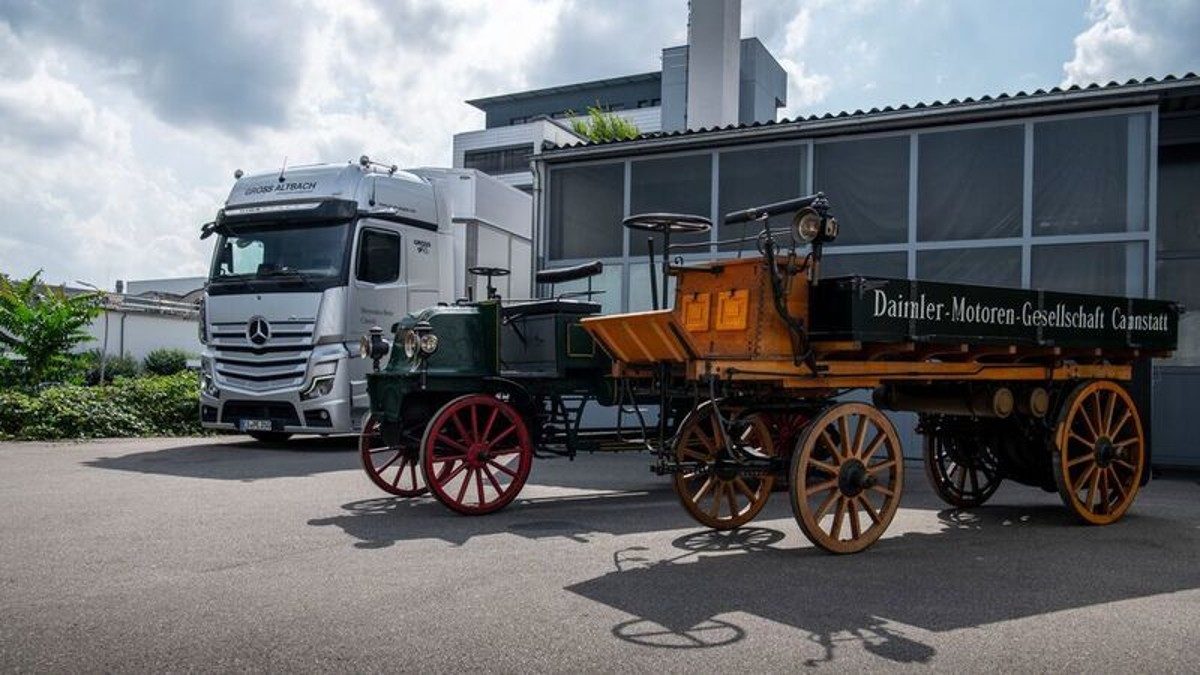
column 114, row 367
column 145, row 406
column 40, row 325
column 165, row 362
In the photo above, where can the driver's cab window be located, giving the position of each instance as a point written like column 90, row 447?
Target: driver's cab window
column 378, row 257
column 245, row 255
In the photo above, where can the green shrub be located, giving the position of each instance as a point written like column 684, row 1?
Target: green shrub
column 165, row 362
column 114, row 367
column 40, row 325
column 145, row 406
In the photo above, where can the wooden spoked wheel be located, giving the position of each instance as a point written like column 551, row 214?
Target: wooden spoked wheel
column 847, row 474
column 393, row 468
column 716, row 487
column 962, row 469
column 476, row 454
column 1099, row 452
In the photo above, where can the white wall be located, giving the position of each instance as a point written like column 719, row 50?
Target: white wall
column 142, row 333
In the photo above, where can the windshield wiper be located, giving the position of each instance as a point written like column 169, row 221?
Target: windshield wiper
column 291, row 274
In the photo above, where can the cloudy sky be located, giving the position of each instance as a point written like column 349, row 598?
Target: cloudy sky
column 122, row 121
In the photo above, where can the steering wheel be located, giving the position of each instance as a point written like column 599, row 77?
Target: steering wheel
column 667, row 222
column 489, row 271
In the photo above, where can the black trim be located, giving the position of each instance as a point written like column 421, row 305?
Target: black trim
column 400, row 220
column 261, row 378
column 334, row 210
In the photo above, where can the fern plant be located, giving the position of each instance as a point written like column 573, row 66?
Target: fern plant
column 600, row 126
column 39, row 326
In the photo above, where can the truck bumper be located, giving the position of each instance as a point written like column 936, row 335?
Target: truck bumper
column 242, row 411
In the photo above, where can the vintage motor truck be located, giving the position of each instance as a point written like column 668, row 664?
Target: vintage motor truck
column 307, row 259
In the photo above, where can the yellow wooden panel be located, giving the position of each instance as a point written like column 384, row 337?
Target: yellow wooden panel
column 733, row 309
column 695, row 312
column 642, row 337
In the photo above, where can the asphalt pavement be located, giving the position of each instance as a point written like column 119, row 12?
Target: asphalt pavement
column 224, row 554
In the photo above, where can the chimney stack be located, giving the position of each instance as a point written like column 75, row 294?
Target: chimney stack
column 713, row 62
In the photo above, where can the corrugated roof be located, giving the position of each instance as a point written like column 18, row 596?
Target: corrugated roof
column 949, row 106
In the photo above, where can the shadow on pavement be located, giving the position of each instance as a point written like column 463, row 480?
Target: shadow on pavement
column 248, row 460
column 383, row 522
column 989, row 565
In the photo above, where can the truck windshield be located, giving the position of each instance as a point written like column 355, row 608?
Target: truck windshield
column 312, row 254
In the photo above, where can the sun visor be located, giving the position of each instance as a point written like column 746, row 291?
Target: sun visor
column 289, row 211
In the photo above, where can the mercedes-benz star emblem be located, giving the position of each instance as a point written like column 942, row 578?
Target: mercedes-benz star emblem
column 258, row 330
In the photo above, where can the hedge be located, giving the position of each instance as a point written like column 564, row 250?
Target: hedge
column 144, row 406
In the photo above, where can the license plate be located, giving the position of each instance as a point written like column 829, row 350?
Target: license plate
column 256, row 425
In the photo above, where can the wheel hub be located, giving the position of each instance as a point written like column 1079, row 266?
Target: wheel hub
column 478, row 454
column 1106, row 452
column 853, row 478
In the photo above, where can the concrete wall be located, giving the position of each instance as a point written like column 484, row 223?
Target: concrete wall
column 139, row 333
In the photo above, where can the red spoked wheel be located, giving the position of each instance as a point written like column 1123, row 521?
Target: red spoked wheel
column 476, row 454
column 393, row 468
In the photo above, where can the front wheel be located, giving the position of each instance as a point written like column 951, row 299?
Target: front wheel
column 476, row 454
column 847, row 474
column 392, row 468
column 718, row 489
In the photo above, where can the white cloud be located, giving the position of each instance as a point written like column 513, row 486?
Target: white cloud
column 805, row 88
column 1136, row 39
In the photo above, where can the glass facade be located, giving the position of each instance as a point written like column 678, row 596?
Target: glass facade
column 587, row 204
column 969, row 184
column 876, row 172
column 1058, row 202
column 672, row 185
column 754, row 177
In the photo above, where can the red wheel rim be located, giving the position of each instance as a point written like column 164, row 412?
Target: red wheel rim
column 476, row 454
column 391, row 468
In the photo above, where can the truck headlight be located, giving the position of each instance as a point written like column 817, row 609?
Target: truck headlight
column 321, row 386
column 208, row 384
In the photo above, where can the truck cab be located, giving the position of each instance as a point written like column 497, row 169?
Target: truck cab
column 308, row 259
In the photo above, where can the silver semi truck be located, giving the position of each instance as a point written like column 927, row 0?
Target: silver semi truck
column 309, row 258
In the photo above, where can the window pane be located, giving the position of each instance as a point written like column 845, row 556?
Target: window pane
column 1090, row 175
column 608, row 281
column 1179, row 280
column 379, row 257
column 586, row 206
column 1178, row 207
column 891, row 265
column 1107, row 269
column 499, row 160
column 756, row 177
column 867, row 186
column 969, row 183
column 671, row 185
column 639, row 288
column 984, row 266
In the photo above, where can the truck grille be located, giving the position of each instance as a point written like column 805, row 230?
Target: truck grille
column 284, row 413
column 280, row 362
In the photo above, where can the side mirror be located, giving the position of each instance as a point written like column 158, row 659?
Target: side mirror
column 207, row 229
